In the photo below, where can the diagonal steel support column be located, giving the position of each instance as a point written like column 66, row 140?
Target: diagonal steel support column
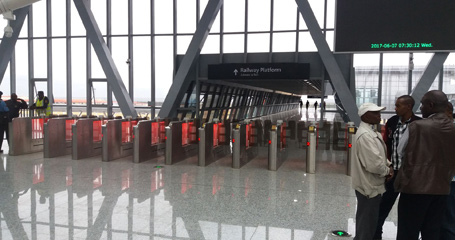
column 105, row 58
column 181, row 83
column 9, row 43
column 433, row 68
column 338, row 81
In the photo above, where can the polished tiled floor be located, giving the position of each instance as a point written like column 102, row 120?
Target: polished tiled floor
column 60, row 198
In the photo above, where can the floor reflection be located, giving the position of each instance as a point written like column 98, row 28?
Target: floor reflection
column 60, row 198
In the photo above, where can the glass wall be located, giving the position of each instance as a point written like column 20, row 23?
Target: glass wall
column 145, row 36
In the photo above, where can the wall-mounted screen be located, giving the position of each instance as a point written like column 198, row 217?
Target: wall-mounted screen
column 394, row 26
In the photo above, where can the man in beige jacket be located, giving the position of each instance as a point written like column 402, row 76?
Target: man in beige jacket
column 370, row 168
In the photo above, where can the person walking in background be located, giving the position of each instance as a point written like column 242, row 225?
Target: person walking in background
column 448, row 220
column 42, row 105
column 307, row 104
column 315, row 105
column 395, row 127
column 4, row 118
column 370, row 170
column 426, row 171
column 301, row 104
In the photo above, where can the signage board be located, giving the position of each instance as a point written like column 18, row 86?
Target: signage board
column 236, row 71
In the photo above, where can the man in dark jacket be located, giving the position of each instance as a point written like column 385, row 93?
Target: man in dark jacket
column 426, row 171
column 395, row 128
column 14, row 105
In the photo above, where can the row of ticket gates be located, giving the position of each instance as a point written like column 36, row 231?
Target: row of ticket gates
column 175, row 140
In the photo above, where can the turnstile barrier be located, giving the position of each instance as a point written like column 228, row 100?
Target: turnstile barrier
column 245, row 142
column 181, row 140
column 214, row 142
column 117, row 139
column 87, row 137
column 149, row 140
column 277, row 146
column 58, row 137
column 311, row 149
column 26, row 135
column 351, row 130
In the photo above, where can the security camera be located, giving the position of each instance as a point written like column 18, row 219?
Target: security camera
column 8, row 31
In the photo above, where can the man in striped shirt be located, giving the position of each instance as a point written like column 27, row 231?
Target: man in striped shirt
column 394, row 129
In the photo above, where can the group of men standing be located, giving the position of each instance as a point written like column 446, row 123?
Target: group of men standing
column 10, row 109
column 414, row 159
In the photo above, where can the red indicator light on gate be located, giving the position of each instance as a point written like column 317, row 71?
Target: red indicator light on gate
column 165, row 138
column 233, row 140
column 270, row 141
column 308, row 143
column 349, row 145
column 199, row 139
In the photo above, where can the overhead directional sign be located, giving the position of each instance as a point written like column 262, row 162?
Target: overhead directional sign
column 259, row 71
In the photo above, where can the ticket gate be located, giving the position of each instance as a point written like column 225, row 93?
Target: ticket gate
column 58, row 137
column 351, row 130
column 311, row 148
column 87, row 137
column 245, row 142
column 214, row 142
column 149, row 139
column 277, row 146
column 181, row 140
column 117, row 139
column 26, row 135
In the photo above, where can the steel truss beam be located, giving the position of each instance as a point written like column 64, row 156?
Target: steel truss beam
column 104, row 55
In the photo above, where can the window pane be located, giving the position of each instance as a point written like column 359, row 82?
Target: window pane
column 285, row 15
column 164, row 67
column 284, row 42
column 21, row 52
column 163, row 16
column 318, row 9
column 186, row 16
column 97, row 70
column 306, row 43
column 40, row 58
column 24, row 31
column 59, row 68
column 141, row 16
column 182, row 44
column 449, row 77
column 58, row 18
column 329, row 36
column 258, row 15
column 119, row 17
column 258, row 42
column 330, row 13
column 120, row 56
column 99, row 12
column 77, row 28
column 78, row 70
column 233, row 43
column 234, row 16
column 211, row 45
column 39, row 19
column 142, row 70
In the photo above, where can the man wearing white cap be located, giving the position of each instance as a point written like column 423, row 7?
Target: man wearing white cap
column 370, row 168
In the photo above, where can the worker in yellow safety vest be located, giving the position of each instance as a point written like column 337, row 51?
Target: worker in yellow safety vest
column 42, row 105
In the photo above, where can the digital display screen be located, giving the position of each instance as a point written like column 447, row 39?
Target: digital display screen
column 394, row 26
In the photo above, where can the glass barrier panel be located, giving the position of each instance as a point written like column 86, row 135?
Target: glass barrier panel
column 184, row 134
column 215, row 134
column 97, row 133
column 155, row 133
